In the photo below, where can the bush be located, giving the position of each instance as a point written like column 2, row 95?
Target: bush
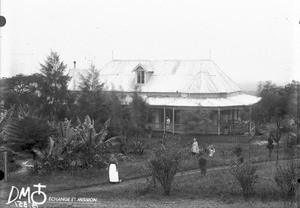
column 147, row 187
column 80, row 147
column 14, row 166
column 246, row 175
column 285, row 178
column 238, row 151
column 27, row 133
column 138, row 147
column 202, row 165
column 165, row 164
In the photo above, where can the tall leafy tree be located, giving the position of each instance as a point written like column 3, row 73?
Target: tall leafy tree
column 21, row 91
column 91, row 99
column 138, row 112
column 54, row 92
column 119, row 116
column 278, row 105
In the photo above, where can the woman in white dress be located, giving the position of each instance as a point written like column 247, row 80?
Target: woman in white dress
column 113, row 170
column 195, row 147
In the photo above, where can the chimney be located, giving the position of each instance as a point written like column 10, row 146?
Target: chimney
column 74, row 62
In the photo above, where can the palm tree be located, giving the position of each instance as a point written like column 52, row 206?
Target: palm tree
column 27, row 133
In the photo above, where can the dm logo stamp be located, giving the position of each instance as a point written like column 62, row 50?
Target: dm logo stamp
column 34, row 199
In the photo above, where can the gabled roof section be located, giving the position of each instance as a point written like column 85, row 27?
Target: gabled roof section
column 169, row 76
column 146, row 68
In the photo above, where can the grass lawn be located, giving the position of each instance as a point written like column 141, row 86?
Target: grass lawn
column 214, row 187
column 217, row 189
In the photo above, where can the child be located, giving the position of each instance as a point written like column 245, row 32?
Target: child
column 195, row 147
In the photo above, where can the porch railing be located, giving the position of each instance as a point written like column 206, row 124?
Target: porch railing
column 209, row 129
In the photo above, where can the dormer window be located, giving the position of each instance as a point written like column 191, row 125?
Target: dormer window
column 140, row 76
column 142, row 73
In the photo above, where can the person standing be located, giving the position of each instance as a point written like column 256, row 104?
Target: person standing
column 113, row 170
column 195, row 147
column 168, row 121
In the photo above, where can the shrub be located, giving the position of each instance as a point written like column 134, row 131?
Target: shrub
column 24, row 135
column 240, row 160
column 285, row 178
column 202, row 165
column 246, row 174
column 138, row 147
column 80, row 147
column 147, row 187
column 165, row 164
column 14, row 166
column 238, row 151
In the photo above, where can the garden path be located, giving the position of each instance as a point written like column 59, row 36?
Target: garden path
column 132, row 182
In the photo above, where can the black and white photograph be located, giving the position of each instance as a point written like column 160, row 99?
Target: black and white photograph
column 149, row 103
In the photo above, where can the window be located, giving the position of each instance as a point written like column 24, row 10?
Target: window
column 140, row 77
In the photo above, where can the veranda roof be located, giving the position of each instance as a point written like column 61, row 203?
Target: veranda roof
column 232, row 101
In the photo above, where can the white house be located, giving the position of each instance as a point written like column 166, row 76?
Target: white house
column 170, row 86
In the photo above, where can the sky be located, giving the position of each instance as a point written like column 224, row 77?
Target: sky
column 250, row 40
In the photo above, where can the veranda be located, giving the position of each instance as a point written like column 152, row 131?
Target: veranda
column 224, row 120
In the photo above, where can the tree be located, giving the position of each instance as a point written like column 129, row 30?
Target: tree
column 24, row 135
column 22, row 91
column 91, row 99
column 277, row 105
column 54, row 92
column 119, row 114
column 138, row 111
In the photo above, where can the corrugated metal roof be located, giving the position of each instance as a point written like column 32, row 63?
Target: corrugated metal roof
column 176, row 76
column 183, row 76
column 232, row 101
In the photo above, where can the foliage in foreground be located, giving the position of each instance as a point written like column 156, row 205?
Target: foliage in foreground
column 246, row 175
column 285, row 177
column 75, row 147
column 165, row 164
column 138, row 147
column 202, row 165
column 238, row 151
column 27, row 133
